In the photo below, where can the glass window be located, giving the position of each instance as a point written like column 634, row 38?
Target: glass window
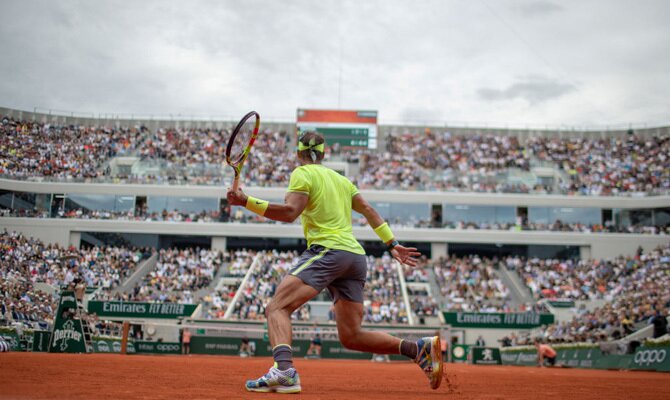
column 662, row 216
column 410, row 213
column 538, row 215
column 406, row 214
column 99, row 202
column 39, row 202
column 125, row 203
column 182, row 204
column 567, row 215
column 454, row 213
column 627, row 218
column 95, row 202
column 6, row 199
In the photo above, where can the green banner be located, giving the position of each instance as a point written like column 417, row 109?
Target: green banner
column 41, row 341
column 110, row 345
column 231, row 346
column 132, row 310
column 497, row 320
column 67, row 335
column 519, row 358
column 485, row 355
column 158, row 347
column 655, row 358
column 592, row 358
column 12, row 337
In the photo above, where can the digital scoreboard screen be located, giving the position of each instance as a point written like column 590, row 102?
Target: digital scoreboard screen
column 348, row 128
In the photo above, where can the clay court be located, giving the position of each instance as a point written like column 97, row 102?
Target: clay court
column 92, row 376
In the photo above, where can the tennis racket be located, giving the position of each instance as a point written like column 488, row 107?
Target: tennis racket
column 240, row 142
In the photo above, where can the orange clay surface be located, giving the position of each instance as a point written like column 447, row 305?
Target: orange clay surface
column 109, row 376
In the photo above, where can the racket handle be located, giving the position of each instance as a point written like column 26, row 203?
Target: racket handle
column 236, row 183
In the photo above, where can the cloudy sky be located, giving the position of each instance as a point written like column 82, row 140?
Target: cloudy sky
column 475, row 62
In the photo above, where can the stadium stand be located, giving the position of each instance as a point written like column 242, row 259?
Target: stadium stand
column 608, row 166
column 477, row 162
column 383, row 302
column 471, row 284
column 636, row 292
column 178, row 274
column 61, row 151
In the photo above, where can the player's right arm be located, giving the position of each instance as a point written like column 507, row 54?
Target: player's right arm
column 405, row 255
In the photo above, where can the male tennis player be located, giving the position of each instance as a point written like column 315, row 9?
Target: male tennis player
column 333, row 260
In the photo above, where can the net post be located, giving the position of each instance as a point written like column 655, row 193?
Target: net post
column 124, row 337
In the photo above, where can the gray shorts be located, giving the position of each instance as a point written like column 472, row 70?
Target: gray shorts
column 342, row 272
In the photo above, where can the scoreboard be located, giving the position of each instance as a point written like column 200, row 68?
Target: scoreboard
column 348, row 128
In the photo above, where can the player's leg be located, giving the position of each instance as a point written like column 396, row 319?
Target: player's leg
column 349, row 317
column 426, row 352
column 347, row 293
column 282, row 378
column 290, row 295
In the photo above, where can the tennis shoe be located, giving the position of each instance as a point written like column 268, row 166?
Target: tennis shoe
column 429, row 359
column 277, row 381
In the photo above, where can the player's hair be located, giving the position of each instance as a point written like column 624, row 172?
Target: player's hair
column 311, row 139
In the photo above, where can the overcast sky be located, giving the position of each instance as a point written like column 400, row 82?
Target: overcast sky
column 477, row 62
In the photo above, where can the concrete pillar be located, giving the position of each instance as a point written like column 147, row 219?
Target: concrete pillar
column 585, row 252
column 219, row 243
column 438, row 250
column 75, row 239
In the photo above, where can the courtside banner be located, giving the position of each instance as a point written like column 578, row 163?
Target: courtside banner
column 110, row 345
column 485, row 355
column 655, row 358
column 497, row 320
column 131, row 309
column 158, row 347
column 41, row 341
column 10, row 336
column 67, row 335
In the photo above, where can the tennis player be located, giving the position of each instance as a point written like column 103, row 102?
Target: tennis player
column 334, row 260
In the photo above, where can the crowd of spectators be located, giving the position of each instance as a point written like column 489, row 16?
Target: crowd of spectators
column 26, row 261
column 422, row 302
column 101, row 267
column 429, row 160
column 571, row 279
column 471, row 283
column 197, row 156
column 262, row 285
column 440, row 161
column 559, row 226
column 608, row 166
column 383, row 301
column 636, row 296
column 179, row 274
column 21, row 304
column 216, row 303
column 30, row 149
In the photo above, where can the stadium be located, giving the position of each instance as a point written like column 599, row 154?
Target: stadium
column 126, row 271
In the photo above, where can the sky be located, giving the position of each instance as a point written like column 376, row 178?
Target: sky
column 477, row 63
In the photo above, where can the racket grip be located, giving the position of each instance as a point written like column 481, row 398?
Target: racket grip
column 236, row 183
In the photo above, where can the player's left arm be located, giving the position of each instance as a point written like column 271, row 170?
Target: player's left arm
column 294, row 204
